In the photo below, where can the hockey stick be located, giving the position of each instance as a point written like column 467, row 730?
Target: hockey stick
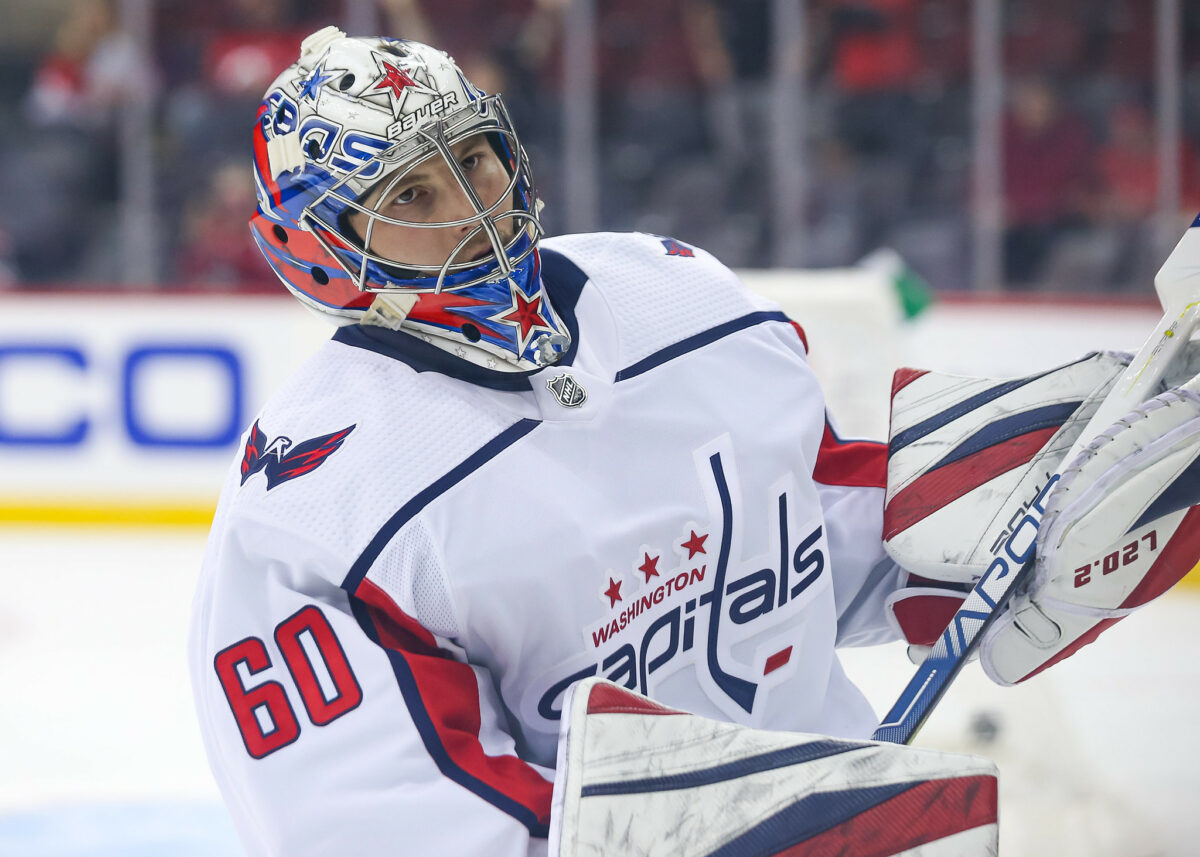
column 1178, row 286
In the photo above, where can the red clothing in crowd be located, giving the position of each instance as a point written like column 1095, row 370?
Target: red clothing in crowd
column 871, row 59
column 1045, row 171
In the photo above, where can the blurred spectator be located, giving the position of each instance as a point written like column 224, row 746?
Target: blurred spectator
column 731, row 48
column 649, row 77
column 685, row 119
column 1126, row 197
column 730, row 41
column 221, row 56
column 1124, row 30
column 944, row 29
column 1047, row 150
column 875, row 66
column 93, row 68
column 64, row 163
column 1044, row 37
column 888, row 71
column 671, row 157
column 256, row 39
column 216, row 247
column 1127, row 166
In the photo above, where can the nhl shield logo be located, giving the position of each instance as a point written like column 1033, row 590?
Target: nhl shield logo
column 567, row 391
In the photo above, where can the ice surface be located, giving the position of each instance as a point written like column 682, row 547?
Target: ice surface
column 100, row 755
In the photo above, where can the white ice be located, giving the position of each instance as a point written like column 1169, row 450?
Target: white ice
column 100, row 755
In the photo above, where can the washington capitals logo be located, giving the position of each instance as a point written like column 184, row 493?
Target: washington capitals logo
column 711, row 603
column 677, row 248
column 282, row 460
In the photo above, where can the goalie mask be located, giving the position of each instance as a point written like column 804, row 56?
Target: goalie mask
column 385, row 179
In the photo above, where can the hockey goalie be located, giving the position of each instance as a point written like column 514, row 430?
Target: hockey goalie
column 550, row 549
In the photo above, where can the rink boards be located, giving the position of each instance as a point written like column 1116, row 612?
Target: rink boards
column 129, row 408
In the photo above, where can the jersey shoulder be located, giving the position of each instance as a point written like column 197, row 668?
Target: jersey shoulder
column 659, row 290
column 653, row 261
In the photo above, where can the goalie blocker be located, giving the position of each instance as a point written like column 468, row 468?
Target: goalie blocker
column 635, row 777
column 1118, row 530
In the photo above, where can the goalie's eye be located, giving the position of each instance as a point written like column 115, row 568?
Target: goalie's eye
column 407, row 196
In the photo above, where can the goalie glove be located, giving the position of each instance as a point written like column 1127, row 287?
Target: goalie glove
column 634, row 777
column 964, row 452
column 1121, row 527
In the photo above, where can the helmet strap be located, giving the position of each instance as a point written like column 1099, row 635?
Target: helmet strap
column 389, row 310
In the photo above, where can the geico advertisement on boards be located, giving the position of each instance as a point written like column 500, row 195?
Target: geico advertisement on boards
column 120, row 408
column 135, row 401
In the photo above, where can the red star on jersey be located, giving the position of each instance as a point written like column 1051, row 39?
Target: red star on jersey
column 395, row 79
column 525, row 315
column 613, row 592
column 649, row 567
column 695, row 544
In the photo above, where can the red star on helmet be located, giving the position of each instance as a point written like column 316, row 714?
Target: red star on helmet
column 525, row 315
column 395, row 78
column 695, row 544
column 649, row 567
column 613, row 592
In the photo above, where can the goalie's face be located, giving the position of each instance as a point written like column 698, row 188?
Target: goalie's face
column 435, row 211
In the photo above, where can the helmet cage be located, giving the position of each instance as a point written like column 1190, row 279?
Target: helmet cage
column 324, row 217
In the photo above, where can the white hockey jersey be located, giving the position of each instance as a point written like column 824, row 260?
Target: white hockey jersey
column 414, row 557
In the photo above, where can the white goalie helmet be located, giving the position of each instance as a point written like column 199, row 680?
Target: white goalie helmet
column 338, row 134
